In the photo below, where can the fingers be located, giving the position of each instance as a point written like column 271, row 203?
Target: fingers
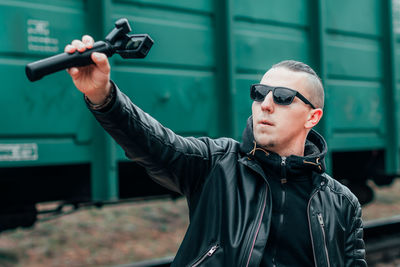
column 86, row 43
column 69, row 49
column 101, row 61
column 74, row 72
column 79, row 45
column 75, row 45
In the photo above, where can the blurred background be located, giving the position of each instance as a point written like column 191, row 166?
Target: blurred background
column 55, row 160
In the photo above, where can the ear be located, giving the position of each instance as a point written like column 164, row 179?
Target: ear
column 313, row 118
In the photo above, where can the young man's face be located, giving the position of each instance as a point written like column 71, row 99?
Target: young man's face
column 277, row 127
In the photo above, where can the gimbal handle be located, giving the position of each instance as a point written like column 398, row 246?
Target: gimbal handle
column 38, row 69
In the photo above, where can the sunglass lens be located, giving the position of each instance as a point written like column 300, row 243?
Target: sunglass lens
column 258, row 93
column 284, row 96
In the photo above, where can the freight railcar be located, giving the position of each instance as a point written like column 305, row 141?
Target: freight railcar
column 195, row 81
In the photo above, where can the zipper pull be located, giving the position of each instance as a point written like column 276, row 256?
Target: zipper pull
column 321, row 221
column 283, row 164
column 205, row 256
column 212, row 250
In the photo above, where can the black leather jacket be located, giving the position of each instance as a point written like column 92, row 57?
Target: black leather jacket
column 227, row 193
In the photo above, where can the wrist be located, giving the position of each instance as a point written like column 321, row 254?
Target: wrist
column 105, row 101
column 99, row 98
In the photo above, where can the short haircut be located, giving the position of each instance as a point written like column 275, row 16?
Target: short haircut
column 316, row 88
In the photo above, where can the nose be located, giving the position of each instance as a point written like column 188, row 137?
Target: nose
column 268, row 104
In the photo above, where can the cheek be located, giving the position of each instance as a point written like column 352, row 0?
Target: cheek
column 293, row 121
column 255, row 111
column 254, row 108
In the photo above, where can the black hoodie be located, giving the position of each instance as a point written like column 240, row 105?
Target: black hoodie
column 290, row 183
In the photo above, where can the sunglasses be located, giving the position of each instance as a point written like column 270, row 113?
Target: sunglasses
column 281, row 95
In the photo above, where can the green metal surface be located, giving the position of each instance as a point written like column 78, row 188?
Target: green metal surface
column 354, row 115
column 318, row 56
column 264, row 33
column 391, row 94
column 36, row 113
column 196, row 77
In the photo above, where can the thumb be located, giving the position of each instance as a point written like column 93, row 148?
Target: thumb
column 101, row 62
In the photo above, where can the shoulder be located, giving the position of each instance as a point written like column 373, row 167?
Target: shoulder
column 341, row 191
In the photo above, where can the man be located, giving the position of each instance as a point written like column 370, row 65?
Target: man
column 264, row 202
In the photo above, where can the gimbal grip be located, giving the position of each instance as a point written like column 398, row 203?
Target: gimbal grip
column 36, row 70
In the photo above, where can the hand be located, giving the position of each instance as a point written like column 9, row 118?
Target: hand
column 92, row 80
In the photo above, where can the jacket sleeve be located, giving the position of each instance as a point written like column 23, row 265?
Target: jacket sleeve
column 355, row 248
column 178, row 163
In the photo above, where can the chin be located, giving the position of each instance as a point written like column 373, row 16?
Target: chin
column 266, row 143
column 268, row 146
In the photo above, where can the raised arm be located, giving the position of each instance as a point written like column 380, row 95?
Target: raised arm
column 180, row 164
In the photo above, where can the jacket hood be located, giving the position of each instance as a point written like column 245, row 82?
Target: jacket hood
column 313, row 159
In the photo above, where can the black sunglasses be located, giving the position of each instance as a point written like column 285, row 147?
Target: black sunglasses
column 281, row 95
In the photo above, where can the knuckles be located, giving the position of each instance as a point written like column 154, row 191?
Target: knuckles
column 86, row 43
column 87, row 39
column 69, row 48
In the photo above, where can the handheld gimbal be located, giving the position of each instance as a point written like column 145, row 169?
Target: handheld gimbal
column 117, row 41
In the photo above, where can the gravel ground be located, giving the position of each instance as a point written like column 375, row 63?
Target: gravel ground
column 385, row 204
column 99, row 237
column 395, row 263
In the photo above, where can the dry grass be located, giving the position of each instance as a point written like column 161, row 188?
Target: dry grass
column 99, row 237
column 386, row 202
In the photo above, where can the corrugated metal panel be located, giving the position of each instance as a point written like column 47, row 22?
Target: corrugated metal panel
column 45, row 112
column 355, row 73
column 264, row 34
column 176, row 82
column 196, row 78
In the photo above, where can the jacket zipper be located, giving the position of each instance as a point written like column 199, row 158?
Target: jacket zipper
column 281, row 216
column 209, row 253
column 283, row 164
column 259, row 226
column 321, row 222
column 309, row 225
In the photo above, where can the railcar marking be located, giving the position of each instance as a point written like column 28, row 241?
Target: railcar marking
column 19, row 152
column 39, row 39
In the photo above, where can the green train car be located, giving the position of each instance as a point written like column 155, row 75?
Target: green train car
column 195, row 80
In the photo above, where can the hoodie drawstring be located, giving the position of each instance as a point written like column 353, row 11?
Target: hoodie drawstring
column 253, row 151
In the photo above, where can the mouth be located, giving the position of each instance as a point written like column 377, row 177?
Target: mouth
column 265, row 122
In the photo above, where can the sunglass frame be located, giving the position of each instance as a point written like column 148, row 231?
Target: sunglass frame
column 272, row 88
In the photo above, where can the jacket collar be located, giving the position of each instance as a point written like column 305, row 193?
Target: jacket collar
column 313, row 160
